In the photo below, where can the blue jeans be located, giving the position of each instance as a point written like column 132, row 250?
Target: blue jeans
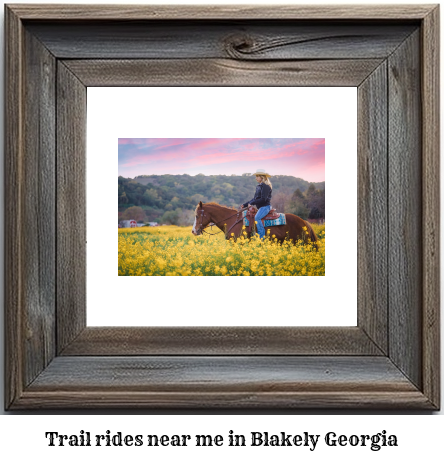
column 260, row 214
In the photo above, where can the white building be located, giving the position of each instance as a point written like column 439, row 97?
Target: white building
column 128, row 224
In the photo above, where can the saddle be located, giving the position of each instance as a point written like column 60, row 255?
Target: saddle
column 251, row 212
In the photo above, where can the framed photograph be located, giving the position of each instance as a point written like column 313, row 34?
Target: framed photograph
column 57, row 55
column 162, row 180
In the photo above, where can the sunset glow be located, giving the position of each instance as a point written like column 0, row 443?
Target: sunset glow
column 301, row 157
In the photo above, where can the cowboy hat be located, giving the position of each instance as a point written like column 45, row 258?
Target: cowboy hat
column 261, row 172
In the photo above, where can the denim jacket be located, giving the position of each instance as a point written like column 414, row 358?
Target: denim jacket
column 262, row 196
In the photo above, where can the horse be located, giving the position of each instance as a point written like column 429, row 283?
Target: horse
column 229, row 220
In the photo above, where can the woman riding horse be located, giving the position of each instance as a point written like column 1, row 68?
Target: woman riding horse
column 261, row 199
column 230, row 221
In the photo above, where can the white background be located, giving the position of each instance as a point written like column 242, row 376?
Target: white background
column 266, row 112
column 418, row 434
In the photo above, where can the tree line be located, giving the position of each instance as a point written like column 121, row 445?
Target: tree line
column 171, row 199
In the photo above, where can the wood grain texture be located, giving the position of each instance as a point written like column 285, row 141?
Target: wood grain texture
column 71, row 206
column 38, row 210
column 224, row 12
column 405, row 210
column 221, row 72
column 234, row 382
column 236, row 40
column 194, row 377
column 13, row 209
column 209, row 373
column 372, row 207
column 430, row 93
column 126, row 341
column 225, row 400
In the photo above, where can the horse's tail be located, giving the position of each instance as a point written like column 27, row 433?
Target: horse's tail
column 313, row 237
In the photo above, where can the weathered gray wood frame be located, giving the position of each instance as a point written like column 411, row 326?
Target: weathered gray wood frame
column 390, row 360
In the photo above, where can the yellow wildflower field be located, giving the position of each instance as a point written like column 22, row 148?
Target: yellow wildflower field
column 175, row 251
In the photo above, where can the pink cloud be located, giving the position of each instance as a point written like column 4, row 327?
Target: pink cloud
column 209, row 155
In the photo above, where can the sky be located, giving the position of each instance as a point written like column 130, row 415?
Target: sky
column 298, row 157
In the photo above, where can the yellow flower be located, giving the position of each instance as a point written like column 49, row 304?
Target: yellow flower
column 173, row 251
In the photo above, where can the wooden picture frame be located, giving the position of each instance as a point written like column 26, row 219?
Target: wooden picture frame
column 390, row 360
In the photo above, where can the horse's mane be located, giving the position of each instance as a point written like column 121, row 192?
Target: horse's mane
column 213, row 203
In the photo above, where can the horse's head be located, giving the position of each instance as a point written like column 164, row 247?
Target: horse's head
column 201, row 220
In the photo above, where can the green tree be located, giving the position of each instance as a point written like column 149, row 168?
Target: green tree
column 171, row 217
column 123, row 199
column 150, row 196
column 158, row 194
column 297, row 207
column 227, row 186
column 311, row 190
column 316, row 204
column 197, row 197
column 297, row 204
column 298, row 194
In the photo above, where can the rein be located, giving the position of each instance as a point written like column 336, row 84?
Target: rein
column 202, row 230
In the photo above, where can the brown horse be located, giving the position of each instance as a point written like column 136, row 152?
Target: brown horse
column 229, row 220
